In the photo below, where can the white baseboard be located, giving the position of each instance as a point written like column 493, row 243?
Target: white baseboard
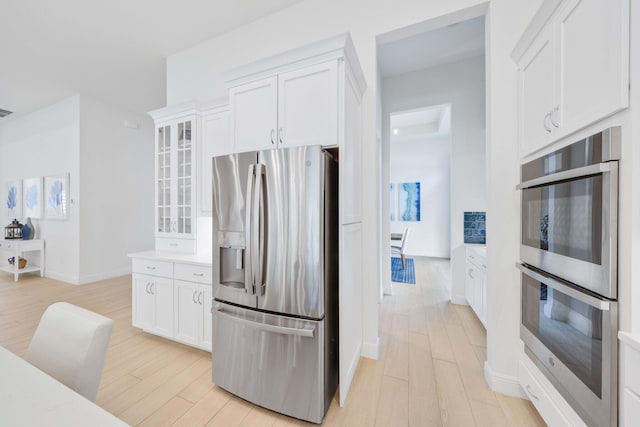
column 371, row 350
column 505, row 384
column 459, row 300
column 89, row 278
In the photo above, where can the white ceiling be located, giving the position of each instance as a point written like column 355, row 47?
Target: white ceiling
column 114, row 50
column 429, row 49
column 418, row 125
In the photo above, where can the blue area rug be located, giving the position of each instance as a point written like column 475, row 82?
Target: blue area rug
column 408, row 275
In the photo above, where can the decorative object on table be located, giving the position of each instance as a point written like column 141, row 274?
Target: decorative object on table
column 22, row 262
column 28, row 230
column 475, row 227
column 13, row 230
column 56, row 196
column 32, row 197
column 14, row 199
column 409, row 201
column 403, row 275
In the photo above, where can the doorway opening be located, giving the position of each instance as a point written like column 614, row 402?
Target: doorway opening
column 432, row 127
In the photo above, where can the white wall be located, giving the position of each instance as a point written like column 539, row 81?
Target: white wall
column 197, row 74
column 425, row 161
column 461, row 84
column 46, row 142
column 110, row 177
column 116, row 189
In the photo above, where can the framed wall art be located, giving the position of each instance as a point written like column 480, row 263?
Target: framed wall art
column 56, row 196
column 32, row 197
column 14, row 199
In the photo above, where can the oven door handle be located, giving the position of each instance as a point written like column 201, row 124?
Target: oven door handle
column 564, row 175
column 598, row 303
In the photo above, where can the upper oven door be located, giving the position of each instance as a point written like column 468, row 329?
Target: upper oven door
column 569, row 226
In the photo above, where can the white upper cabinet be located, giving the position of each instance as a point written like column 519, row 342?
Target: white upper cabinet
column 297, row 98
column 215, row 142
column 308, row 106
column 254, row 115
column 573, row 62
column 294, row 108
column 537, row 92
column 175, row 187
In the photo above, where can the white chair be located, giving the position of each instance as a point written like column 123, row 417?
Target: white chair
column 70, row 344
column 399, row 250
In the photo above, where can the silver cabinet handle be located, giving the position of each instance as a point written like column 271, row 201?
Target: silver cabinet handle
column 307, row 331
column 149, row 267
column 531, row 393
column 198, row 274
column 552, row 115
column 200, row 298
column 273, row 140
column 147, row 288
column 193, row 297
column 173, row 244
column 281, row 135
column 544, row 122
column 152, row 285
column 471, row 273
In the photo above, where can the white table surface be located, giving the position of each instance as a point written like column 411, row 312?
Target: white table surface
column 29, row 397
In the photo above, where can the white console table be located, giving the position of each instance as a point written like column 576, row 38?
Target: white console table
column 17, row 247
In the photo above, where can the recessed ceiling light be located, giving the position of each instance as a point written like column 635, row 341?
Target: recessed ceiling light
column 395, row 131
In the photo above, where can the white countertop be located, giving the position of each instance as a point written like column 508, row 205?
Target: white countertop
column 195, row 259
column 630, row 339
column 29, row 397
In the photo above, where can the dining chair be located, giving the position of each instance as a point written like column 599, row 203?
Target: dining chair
column 400, row 250
column 70, row 344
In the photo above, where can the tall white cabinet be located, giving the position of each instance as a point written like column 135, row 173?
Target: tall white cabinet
column 175, row 188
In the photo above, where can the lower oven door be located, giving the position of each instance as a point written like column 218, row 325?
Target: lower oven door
column 571, row 336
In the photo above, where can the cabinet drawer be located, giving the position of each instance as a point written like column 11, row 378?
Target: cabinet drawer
column 176, row 245
column 193, row 273
column 152, row 267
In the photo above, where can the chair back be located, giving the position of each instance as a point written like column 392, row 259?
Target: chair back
column 70, row 344
column 403, row 245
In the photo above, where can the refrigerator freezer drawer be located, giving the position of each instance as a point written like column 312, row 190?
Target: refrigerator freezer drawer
column 273, row 361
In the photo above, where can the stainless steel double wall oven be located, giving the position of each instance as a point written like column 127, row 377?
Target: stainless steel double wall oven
column 568, row 255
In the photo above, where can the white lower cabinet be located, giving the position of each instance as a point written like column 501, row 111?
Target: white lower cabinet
column 153, row 304
column 193, row 314
column 173, row 300
column 475, row 284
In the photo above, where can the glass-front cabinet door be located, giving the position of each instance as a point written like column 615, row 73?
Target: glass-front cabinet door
column 175, row 192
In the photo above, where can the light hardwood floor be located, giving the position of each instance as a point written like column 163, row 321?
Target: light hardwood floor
column 429, row 373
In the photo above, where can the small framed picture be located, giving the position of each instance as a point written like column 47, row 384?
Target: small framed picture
column 14, row 199
column 32, row 197
column 56, row 196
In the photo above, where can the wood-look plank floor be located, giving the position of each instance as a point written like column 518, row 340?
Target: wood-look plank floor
column 430, row 371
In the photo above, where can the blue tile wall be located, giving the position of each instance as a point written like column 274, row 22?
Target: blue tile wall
column 475, row 230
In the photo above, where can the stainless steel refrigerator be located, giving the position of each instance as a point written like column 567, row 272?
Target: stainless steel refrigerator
column 275, row 285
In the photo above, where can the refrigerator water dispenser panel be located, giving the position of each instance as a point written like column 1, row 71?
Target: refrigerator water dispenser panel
column 231, row 267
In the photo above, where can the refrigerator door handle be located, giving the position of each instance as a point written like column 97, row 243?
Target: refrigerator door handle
column 258, row 228
column 248, row 232
column 307, row 331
